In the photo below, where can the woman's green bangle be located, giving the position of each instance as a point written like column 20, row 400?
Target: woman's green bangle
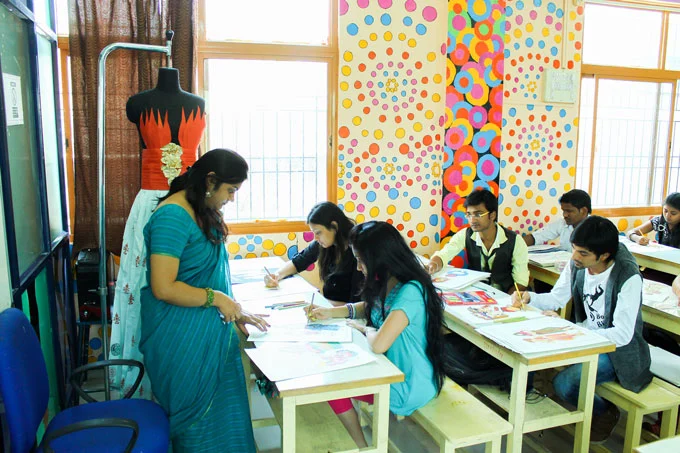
column 211, row 298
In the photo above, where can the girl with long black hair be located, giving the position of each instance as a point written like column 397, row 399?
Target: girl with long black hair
column 404, row 316
column 337, row 265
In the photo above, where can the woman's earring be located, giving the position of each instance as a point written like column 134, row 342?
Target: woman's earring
column 208, row 194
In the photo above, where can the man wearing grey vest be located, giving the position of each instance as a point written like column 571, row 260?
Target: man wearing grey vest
column 605, row 283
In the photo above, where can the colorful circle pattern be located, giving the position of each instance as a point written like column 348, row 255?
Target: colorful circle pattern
column 474, row 102
column 389, row 136
column 537, row 163
column 536, row 40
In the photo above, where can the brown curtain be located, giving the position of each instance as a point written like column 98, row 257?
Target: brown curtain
column 94, row 24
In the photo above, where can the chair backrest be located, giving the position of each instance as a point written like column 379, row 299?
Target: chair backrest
column 23, row 379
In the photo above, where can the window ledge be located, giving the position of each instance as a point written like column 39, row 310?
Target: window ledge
column 628, row 212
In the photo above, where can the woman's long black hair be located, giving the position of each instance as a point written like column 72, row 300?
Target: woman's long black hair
column 228, row 167
column 325, row 214
column 385, row 254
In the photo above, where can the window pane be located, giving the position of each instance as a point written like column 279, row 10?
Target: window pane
column 42, row 12
column 62, row 17
column 21, row 143
column 673, row 49
column 609, row 36
column 585, row 132
column 289, row 21
column 630, row 142
column 49, row 129
column 275, row 114
column 674, row 173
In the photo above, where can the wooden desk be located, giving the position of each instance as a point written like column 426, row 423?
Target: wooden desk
column 373, row 378
column 524, row 419
column 659, row 257
column 652, row 316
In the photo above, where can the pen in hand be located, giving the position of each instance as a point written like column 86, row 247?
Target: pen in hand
column 272, row 277
column 519, row 293
column 311, row 308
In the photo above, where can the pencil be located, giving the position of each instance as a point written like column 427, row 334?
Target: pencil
column 311, row 307
column 270, row 275
column 521, row 300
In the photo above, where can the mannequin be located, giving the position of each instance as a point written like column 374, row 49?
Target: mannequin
column 170, row 122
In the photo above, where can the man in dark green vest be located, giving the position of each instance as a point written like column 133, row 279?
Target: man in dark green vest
column 604, row 281
column 489, row 246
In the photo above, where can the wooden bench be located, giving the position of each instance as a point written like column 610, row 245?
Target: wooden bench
column 456, row 419
column 659, row 396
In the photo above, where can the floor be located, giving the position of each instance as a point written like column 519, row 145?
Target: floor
column 409, row 437
column 406, row 435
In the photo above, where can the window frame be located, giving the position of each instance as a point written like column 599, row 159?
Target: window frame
column 656, row 75
column 328, row 54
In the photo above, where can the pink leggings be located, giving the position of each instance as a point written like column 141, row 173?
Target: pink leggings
column 344, row 404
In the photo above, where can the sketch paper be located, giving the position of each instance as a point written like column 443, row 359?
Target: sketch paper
column 543, row 248
column 541, row 335
column 280, row 361
column 250, row 275
column 546, row 259
column 660, row 296
column 257, row 290
column 653, row 250
column 320, row 332
column 468, row 298
column 454, row 279
column 488, row 314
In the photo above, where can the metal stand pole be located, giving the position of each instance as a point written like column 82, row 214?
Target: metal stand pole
column 101, row 192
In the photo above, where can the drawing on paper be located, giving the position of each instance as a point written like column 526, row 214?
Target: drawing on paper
column 488, row 312
column 550, row 334
column 468, row 298
column 326, row 327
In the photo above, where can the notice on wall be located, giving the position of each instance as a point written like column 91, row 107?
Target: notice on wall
column 14, row 109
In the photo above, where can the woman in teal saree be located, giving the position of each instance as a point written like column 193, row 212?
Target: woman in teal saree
column 189, row 318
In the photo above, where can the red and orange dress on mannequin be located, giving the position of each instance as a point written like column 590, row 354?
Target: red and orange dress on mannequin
column 165, row 156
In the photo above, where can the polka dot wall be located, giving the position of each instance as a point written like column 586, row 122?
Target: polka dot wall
column 539, row 139
column 391, row 114
column 474, row 98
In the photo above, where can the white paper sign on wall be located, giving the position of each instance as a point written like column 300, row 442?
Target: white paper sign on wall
column 14, row 109
column 560, row 85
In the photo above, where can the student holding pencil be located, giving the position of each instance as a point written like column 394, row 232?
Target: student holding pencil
column 404, row 317
column 666, row 226
column 604, row 282
column 337, row 265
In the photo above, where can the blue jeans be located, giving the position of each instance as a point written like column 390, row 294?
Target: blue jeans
column 567, row 383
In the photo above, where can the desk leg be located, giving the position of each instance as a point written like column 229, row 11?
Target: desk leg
column 518, row 395
column 381, row 418
column 585, row 405
column 288, row 428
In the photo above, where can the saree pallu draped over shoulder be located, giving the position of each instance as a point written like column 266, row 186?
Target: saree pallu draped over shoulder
column 191, row 354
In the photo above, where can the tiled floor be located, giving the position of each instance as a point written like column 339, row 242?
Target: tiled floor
column 408, row 436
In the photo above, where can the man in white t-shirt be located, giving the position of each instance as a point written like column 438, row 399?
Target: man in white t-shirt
column 576, row 206
column 604, row 281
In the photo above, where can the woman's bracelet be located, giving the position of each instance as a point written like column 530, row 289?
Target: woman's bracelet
column 211, row 298
column 351, row 313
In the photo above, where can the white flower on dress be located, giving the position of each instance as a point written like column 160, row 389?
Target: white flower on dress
column 172, row 161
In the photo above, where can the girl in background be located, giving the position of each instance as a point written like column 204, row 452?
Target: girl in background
column 337, row 265
column 667, row 225
column 404, row 317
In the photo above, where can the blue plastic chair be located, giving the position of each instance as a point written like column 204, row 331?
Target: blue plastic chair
column 112, row 426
